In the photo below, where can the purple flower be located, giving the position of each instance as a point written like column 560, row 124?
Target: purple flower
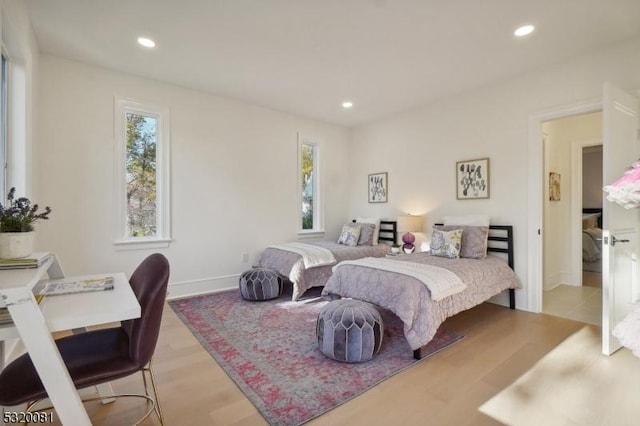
column 18, row 215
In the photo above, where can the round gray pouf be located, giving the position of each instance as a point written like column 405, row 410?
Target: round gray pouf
column 260, row 284
column 349, row 330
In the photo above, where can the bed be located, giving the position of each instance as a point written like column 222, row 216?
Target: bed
column 411, row 300
column 592, row 239
column 291, row 265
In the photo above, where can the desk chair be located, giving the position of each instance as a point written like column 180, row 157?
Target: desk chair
column 100, row 356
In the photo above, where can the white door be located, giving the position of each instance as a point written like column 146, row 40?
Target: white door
column 620, row 225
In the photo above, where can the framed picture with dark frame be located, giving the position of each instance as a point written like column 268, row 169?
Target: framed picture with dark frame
column 472, row 179
column 378, row 188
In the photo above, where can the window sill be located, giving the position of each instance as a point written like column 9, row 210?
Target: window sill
column 141, row 244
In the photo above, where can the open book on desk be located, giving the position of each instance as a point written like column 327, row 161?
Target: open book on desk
column 70, row 286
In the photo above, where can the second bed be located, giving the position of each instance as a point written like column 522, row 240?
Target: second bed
column 411, row 300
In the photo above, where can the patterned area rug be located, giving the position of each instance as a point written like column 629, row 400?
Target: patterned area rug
column 270, row 350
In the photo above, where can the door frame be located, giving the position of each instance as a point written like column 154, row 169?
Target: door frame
column 535, row 191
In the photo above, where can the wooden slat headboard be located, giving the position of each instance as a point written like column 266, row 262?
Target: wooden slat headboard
column 501, row 241
column 388, row 231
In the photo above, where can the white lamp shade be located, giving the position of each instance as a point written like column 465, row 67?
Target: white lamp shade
column 410, row 223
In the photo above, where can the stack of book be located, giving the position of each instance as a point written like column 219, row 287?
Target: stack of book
column 5, row 317
column 34, row 261
column 71, row 285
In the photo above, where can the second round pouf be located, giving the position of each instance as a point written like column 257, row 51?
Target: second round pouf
column 349, row 330
column 260, row 284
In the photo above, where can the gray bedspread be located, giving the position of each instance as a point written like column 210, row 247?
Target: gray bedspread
column 291, row 265
column 410, row 299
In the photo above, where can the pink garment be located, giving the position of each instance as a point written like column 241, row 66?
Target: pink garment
column 626, row 190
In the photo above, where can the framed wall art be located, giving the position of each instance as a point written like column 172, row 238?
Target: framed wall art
column 554, row 186
column 472, row 179
column 378, row 188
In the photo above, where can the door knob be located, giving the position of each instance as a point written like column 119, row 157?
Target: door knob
column 614, row 240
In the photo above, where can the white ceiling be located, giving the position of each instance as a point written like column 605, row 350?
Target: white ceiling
column 307, row 56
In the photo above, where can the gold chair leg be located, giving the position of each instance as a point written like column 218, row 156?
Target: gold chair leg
column 158, row 409
column 144, row 380
column 153, row 400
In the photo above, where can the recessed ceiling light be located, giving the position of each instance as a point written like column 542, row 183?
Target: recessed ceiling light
column 524, row 30
column 146, row 42
column 347, row 104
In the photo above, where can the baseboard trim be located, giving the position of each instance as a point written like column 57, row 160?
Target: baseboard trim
column 554, row 280
column 552, row 286
column 180, row 290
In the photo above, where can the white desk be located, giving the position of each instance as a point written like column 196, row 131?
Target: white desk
column 34, row 324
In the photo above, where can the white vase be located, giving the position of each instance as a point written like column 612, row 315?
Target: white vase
column 15, row 245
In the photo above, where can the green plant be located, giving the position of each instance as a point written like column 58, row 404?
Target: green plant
column 19, row 215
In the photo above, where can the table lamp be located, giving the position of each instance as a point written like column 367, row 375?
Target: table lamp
column 408, row 224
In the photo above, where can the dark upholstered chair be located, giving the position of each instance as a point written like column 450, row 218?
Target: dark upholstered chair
column 100, row 356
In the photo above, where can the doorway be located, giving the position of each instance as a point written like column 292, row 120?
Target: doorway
column 572, row 217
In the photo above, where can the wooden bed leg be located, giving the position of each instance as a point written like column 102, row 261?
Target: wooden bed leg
column 512, row 298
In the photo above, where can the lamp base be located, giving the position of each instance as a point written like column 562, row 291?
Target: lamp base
column 408, row 248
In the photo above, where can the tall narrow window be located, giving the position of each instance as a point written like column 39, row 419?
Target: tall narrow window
column 4, row 119
column 307, row 186
column 309, row 181
column 142, row 187
column 141, row 160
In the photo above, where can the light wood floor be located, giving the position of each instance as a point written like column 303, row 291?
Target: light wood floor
column 574, row 384
column 446, row 389
column 592, row 279
column 580, row 303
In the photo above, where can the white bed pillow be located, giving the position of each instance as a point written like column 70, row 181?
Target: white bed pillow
column 375, row 221
column 468, row 220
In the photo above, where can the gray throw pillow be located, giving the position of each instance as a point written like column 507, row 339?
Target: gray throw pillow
column 366, row 233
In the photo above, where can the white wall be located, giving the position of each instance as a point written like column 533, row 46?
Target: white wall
column 419, row 148
column 233, row 167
